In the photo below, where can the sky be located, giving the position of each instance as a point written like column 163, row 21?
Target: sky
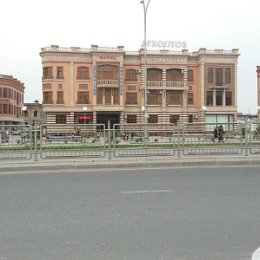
column 29, row 25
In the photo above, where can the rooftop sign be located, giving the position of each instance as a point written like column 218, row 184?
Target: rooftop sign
column 165, row 44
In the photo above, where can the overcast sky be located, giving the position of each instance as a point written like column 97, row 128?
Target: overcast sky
column 29, row 25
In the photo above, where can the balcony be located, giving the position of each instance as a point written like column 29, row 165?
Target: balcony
column 154, row 84
column 175, row 84
column 107, row 83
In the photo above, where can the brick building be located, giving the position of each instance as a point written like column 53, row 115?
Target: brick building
column 11, row 100
column 98, row 84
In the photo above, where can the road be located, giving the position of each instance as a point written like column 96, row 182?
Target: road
column 131, row 214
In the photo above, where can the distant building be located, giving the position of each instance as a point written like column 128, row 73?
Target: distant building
column 11, row 100
column 98, row 85
column 33, row 113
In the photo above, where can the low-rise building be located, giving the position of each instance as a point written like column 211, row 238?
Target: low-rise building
column 33, row 113
column 11, row 100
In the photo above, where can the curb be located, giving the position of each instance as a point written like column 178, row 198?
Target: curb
column 143, row 163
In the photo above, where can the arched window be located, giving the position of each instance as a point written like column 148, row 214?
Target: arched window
column 107, row 72
column 35, row 113
column 154, row 75
column 174, row 75
column 83, row 73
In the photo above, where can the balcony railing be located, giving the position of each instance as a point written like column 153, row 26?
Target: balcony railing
column 174, row 84
column 169, row 84
column 154, row 84
column 108, row 83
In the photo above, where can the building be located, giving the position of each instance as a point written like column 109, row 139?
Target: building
column 33, row 113
column 98, row 85
column 11, row 100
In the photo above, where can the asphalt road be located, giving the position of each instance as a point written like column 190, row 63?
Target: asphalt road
column 173, row 214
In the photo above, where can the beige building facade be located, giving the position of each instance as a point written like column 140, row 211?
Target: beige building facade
column 97, row 85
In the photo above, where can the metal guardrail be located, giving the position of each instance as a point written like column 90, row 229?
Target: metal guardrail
column 126, row 140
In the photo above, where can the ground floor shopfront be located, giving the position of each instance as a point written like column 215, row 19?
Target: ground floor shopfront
column 121, row 117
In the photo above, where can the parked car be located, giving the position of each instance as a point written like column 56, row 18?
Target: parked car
column 4, row 137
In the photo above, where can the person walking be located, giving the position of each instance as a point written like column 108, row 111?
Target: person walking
column 220, row 134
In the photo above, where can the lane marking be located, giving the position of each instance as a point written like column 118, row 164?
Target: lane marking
column 144, row 191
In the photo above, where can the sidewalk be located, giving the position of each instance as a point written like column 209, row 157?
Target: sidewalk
column 126, row 162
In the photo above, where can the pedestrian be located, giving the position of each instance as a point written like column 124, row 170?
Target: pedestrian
column 215, row 135
column 220, row 134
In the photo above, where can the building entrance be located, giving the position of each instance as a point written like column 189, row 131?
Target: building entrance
column 103, row 118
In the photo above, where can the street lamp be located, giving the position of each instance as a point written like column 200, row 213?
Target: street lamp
column 145, row 7
column 204, row 110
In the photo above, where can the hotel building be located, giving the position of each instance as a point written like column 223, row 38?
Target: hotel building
column 97, row 85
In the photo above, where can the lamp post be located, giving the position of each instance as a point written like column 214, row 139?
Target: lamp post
column 145, row 7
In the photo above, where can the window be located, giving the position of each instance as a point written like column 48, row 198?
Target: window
column 190, row 76
column 190, row 98
column 116, row 96
column 47, row 97
column 174, row 98
column 5, row 93
column 154, row 75
column 209, row 98
column 174, row 75
column 227, row 75
column 153, row 119
column 108, row 96
column 83, row 97
column 59, row 72
column 131, row 75
column 228, row 98
column 83, row 73
column 5, row 109
column 47, row 73
column 35, row 113
column 100, row 96
column 131, row 98
column 219, row 98
column 154, row 98
column 210, row 76
column 107, row 72
column 131, row 119
column 46, row 86
column 190, row 119
column 174, row 119
column 219, row 76
column 60, row 99
column 61, row 119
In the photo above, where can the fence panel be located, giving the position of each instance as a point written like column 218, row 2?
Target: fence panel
column 254, row 138
column 72, row 140
column 130, row 140
column 16, row 142
column 212, row 139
